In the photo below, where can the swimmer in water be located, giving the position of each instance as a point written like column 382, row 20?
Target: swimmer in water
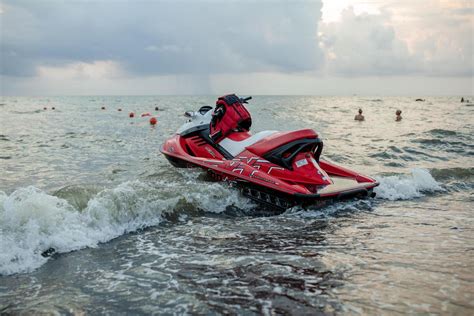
column 398, row 117
column 359, row 117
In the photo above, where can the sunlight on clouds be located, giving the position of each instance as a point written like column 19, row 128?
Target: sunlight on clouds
column 456, row 4
column 100, row 69
column 332, row 9
column 431, row 37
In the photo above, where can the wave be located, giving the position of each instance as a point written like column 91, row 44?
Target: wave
column 456, row 179
column 372, row 100
column 442, row 132
column 27, row 112
column 35, row 224
column 396, row 187
column 453, row 173
column 405, row 187
column 331, row 210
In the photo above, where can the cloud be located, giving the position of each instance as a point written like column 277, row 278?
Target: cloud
column 400, row 41
column 443, row 39
column 100, row 69
column 210, row 46
column 162, row 37
column 360, row 45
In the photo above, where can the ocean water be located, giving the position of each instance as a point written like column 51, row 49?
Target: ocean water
column 134, row 235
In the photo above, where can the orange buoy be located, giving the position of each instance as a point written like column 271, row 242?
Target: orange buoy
column 145, row 114
column 131, row 114
column 153, row 121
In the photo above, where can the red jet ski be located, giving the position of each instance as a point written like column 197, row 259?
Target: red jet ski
column 279, row 169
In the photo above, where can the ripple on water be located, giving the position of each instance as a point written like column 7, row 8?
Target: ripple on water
column 442, row 132
column 277, row 266
column 394, row 164
column 453, row 173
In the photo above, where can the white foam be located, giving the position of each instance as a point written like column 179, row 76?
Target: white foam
column 32, row 221
column 407, row 186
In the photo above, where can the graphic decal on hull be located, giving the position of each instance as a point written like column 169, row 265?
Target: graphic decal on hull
column 238, row 170
column 210, row 152
column 274, row 168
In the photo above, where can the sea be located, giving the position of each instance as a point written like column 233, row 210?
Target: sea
column 94, row 220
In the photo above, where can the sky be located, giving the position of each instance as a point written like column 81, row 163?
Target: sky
column 303, row 47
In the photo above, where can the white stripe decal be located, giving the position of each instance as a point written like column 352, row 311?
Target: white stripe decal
column 276, row 168
column 250, row 159
column 238, row 169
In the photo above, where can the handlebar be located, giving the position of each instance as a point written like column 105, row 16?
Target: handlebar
column 244, row 100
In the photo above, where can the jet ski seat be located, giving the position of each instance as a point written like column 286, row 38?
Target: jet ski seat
column 263, row 142
column 279, row 139
column 238, row 142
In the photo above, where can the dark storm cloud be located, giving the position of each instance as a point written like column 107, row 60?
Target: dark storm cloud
column 162, row 37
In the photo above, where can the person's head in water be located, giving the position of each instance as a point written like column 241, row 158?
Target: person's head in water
column 359, row 117
column 398, row 114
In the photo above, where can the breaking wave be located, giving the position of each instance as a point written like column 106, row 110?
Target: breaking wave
column 392, row 188
column 33, row 222
column 404, row 187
